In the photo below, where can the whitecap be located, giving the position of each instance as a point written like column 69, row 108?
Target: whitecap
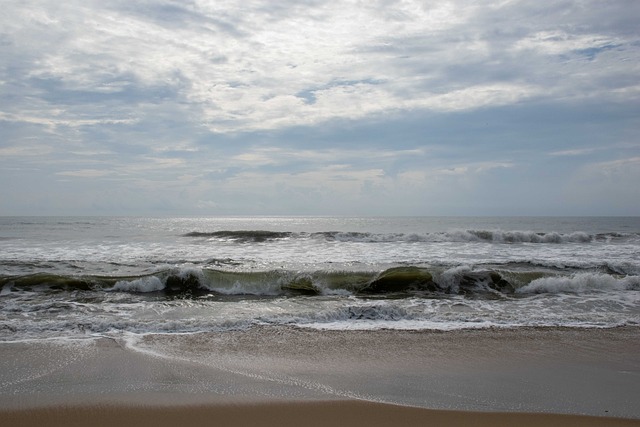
column 143, row 284
column 579, row 283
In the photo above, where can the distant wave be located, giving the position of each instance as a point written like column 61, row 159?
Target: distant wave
column 488, row 236
column 491, row 282
column 242, row 235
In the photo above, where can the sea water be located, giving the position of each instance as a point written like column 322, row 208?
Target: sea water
column 78, row 277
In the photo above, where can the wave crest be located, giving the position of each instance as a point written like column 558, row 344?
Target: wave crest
column 402, row 281
column 242, row 236
column 143, row 284
column 580, row 283
column 488, row 236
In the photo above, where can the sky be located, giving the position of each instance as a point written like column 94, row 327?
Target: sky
column 313, row 107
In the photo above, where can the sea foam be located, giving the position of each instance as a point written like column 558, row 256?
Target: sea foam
column 583, row 282
column 143, row 284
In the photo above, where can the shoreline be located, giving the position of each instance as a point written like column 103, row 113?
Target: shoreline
column 291, row 413
column 476, row 374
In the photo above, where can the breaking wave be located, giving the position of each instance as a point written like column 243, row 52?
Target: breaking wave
column 581, row 283
column 243, row 236
column 497, row 281
column 487, row 236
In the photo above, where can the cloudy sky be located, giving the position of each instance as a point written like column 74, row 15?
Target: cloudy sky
column 202, row 107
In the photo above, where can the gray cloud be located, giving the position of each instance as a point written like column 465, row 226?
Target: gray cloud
column 318, row 107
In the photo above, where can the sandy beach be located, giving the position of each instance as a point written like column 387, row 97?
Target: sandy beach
column 355, row 413
column 288, row 376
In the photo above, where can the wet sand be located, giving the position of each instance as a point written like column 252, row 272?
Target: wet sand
column 287, row 376
column 284, row 414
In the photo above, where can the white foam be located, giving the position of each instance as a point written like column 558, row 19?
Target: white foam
column 143, row 284
column 450, row 279
column 493, row 236
column 239, row 288
column 186, row 273
column 335, row 292
column 6, row 289
column 579, row 283
column 401, row 325
column 517, row 236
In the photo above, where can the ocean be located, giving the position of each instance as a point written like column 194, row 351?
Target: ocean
column 83, row 277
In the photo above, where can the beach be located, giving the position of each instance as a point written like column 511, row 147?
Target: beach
column 292, row 414
column 319, row 321
column 294, row 376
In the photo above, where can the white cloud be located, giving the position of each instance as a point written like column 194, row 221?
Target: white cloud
column 26, row 150
column 558, row 42
column 240, row 65
column 258, row 158
column 618, row 167
column 212, row 100
column 574, row 152
column 56, row 118
column 85, row 173
column 480, row 96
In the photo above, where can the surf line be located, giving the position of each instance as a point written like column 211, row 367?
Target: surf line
column 132, row 342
